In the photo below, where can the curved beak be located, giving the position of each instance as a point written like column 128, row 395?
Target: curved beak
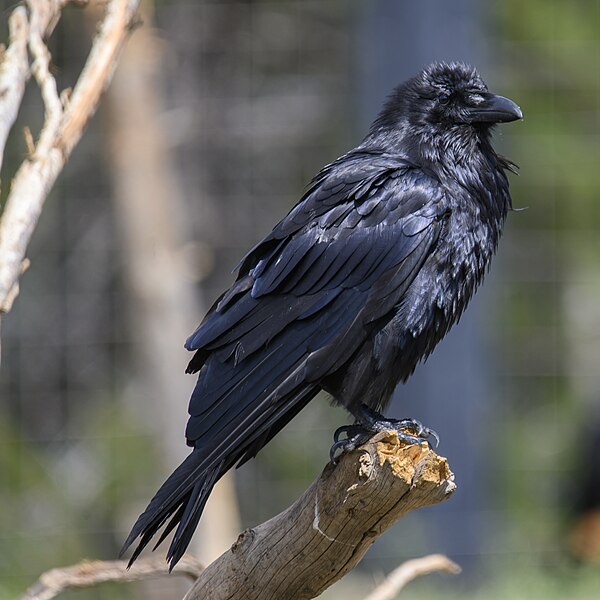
column 494, row 109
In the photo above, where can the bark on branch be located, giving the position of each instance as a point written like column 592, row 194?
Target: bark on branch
column 326, row 532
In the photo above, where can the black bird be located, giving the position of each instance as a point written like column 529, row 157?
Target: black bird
column 353, row 288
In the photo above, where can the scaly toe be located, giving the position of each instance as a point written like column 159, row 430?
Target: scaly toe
column 417, row 429
column 410, row 440
column 360, row 437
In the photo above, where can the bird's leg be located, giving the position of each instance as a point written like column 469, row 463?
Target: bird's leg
column 369, row 422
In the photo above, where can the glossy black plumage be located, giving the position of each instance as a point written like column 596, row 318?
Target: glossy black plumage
column 351, row 289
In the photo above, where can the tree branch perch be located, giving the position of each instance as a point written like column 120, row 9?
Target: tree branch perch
column 325, row 533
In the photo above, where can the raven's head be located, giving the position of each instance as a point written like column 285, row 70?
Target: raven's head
column 442, row 97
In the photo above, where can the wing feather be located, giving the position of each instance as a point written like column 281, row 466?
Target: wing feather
column 310, row 307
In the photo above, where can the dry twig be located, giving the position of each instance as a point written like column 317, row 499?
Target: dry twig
column 411, row 569
column 90, row 573
column 63, row 125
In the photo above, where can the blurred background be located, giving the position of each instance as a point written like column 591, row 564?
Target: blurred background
column 220, row 113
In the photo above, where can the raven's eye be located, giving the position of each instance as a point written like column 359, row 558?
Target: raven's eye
column 444, row 98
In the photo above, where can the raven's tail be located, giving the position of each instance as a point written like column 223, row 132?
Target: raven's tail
column 180, row 501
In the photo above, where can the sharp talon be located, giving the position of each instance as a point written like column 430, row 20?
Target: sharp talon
column 336, row 434
column 416, row 429
column 412, row 425
column 433, row 434
column 336, row 446
column 357, row 436
column 347, row 429
column 346, row 445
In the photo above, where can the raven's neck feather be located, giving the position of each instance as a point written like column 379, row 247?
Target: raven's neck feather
column 462, row 154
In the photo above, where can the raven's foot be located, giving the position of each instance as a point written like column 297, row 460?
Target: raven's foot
column 370, row 422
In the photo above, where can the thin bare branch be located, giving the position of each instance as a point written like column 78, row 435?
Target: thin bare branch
column 62, row 128
column 411, row 569
column 14, row 291
column 40, row 16
column 14, row 72
column 97, row 73
column 90, row 573
column 25, row 29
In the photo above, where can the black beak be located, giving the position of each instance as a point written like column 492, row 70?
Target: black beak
column 494, row 109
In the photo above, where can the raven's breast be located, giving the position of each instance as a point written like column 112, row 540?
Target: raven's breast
column 434, row 301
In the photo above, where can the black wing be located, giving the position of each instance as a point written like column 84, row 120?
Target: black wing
column 306, row 295
column 305, row 300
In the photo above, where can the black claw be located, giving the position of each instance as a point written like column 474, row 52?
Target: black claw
column 336, row 446
column 412, row 425
column 359, row 437
column 432, row 433
column 346, row 446
column 349, row 430
column 418, row 429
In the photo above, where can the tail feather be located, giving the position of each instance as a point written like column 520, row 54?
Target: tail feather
column 170, row 525
column 182, row 498
column 172, row 501
column 191, row 516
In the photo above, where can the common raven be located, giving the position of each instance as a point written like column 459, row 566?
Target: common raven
column 353, row 288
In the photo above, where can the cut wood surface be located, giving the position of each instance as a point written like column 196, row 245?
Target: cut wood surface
column 326, row 532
